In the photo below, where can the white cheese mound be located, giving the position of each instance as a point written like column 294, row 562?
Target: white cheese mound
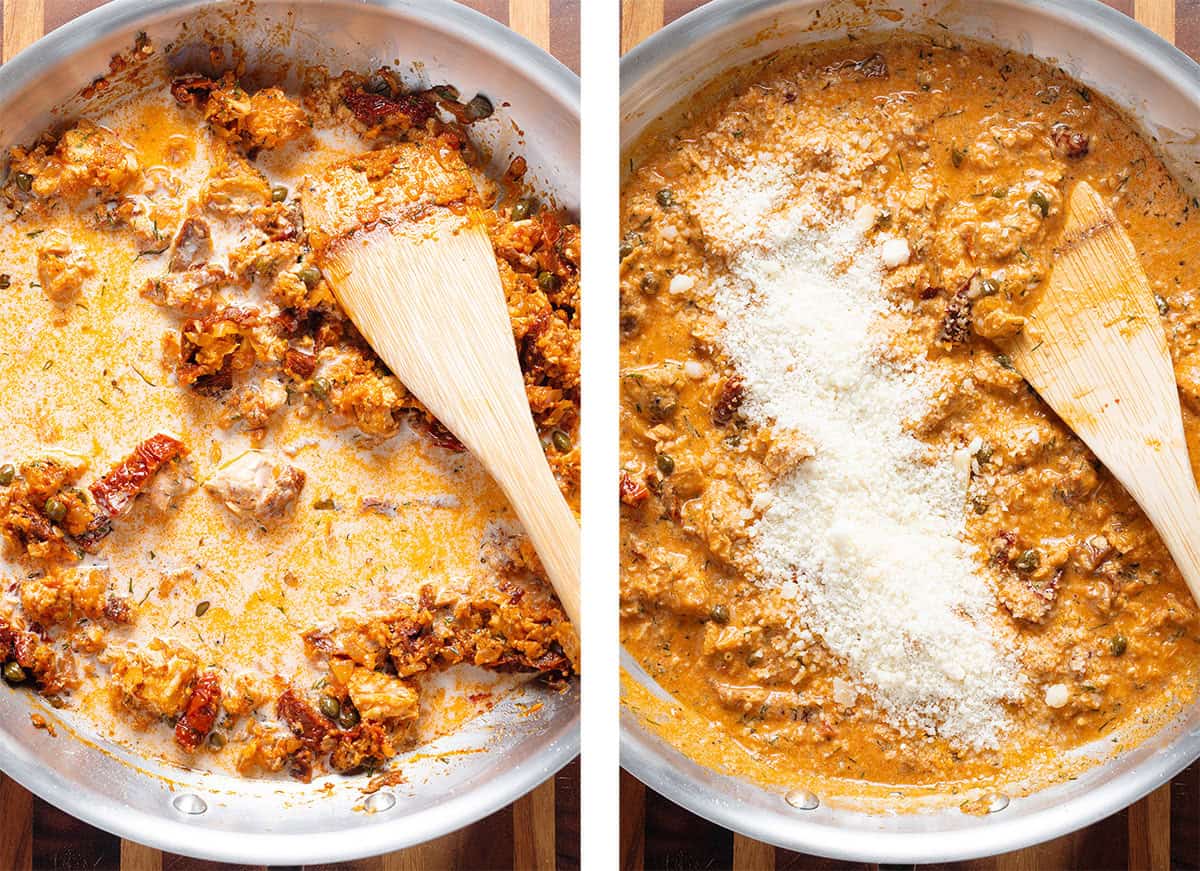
column 1058, row 695
column 867, row 536
column 894, row 252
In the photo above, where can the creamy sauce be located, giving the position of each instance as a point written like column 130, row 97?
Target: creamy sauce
column 929, row 176
column 378, row 518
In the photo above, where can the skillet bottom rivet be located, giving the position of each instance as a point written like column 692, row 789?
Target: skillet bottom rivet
column 380, row 802
column 997, row 804
column 802, row 799
column 189, row 804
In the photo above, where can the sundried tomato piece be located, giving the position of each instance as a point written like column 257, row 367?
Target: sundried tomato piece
column 633, row 491
column 956, row 323
column 299, row 364
column 729, row 400
column 443, row 438
column 1068, row 142
column 117, row 610
column 316, row 641
column 116, row 490
column 309, row 726
column 372, row 109
column 96, row 531
column 201, row 712
column 191, row 89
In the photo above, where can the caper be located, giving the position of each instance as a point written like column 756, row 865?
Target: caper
column 999, row 193
column 7, row 473
column 13, row 673
column 310, row 275
column 651, row 282
column 957, row 156
column 1006, row 362
column 330, row 707
column 526, row 207
column 883, row 220
column 348, row 718
column 665, row 197
column 562, row 441
column 1118, row 645
column 24, row 181
column 202, row 608
column 548, row 282
column 216, row 740
column 55, row 509
column 1161, row 304
column 666, row 464
column 1039, row 201
column 719, row 614
column 755, row 658
column 989, row 287
column 480, row 107
column 980, row 504
column 278, row 193
column 1028, row 561
column 445, row 92
column 5, row 281
column 626, row 248
column 320, row 388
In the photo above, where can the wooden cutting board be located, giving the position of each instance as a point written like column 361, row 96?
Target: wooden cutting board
column 539, row 831
column 1160, row 832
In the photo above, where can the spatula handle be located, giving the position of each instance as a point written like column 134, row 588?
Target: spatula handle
column 502, row 435
column 548, row 520
column 1172, row 503
column 434, row 310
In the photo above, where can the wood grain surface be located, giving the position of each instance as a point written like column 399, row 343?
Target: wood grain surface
column 1160, row 832
column 539, row 831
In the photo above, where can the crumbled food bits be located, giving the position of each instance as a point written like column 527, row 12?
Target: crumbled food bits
column 1057, row 695
column 254, row 485
column 40, row 722
column 681, row 284
column 844, row 692
column 894, row 253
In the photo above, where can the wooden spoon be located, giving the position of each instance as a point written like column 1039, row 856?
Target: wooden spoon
column 400, row 237
column 1094, row 349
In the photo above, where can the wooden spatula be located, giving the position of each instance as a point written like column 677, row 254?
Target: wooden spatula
column 399, row 236
column 1094, row 349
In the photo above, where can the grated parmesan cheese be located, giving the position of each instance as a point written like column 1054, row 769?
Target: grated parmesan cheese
column 1057, row 695
column 894, row 252
column 866, row 536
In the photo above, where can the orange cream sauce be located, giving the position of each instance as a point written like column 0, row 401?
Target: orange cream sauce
column 972, row 172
